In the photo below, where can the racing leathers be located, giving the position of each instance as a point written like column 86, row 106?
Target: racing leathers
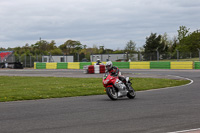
column 114, row 71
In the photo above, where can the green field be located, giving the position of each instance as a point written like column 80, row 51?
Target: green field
column 31, row 88
column 188, row 59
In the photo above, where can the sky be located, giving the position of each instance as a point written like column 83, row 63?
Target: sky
column 108, row 23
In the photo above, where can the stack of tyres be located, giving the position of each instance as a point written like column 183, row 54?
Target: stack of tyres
column 96, row 69
column 91, row 69
column 102, row 69
column 85, row 68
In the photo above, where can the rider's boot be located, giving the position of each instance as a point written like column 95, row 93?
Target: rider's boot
column 129, row 88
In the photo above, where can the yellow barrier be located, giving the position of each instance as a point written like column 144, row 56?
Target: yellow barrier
column 104, row 63
column 139, row 65
column 181, row 65
column 73, row 65
column 51, row 65
column 34, row 65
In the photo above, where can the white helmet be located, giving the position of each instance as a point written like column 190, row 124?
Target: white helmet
column 109, row 65
column 98, row 60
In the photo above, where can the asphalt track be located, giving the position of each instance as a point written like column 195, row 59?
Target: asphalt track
column 157, row 111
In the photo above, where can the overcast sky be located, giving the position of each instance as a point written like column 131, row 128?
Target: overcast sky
column 108, row 23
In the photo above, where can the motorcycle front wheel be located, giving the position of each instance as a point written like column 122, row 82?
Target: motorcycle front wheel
column 112, row 94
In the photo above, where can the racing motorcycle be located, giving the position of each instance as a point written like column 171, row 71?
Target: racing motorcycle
column 115, row 88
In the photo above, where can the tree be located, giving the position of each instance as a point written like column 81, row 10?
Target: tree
column 101, row 50
column 173, row 47
column 51, row 46
column 130, row 48
column 191, row 43
column 182, row 33
column 71, row 47
column 56, row 51
column 165, row 39
column 153, row 45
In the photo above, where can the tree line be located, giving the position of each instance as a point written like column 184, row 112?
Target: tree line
column 185, row 41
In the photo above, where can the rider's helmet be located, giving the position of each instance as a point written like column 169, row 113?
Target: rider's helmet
column 98, row 61
column 109, row 65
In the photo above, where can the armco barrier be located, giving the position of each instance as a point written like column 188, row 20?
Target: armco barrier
column 34, row 65
column 62, row 65
column 51, row 65
column 182, row 65
column 40, row 65
column 121, row 65
column 196, row 65
column 82, row 64
column 73, row 65
column 139, row 65
column 159, row 65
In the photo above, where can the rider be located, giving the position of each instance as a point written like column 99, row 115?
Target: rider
column 98, row 62
column 113, row 70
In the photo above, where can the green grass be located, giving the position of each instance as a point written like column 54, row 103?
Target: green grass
column 188, row 59
column 31, row 88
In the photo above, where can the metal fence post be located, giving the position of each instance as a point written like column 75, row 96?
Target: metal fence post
column 199, row 53
column 78, row 56
column 42, row 59
column 25, row 61
column 157, row 55
column 177, row 55
column 37, row 57
column 30, row 61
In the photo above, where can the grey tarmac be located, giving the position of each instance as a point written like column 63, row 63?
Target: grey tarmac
column 160, row 111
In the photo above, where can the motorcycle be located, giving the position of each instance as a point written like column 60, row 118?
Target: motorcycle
column 115, row 88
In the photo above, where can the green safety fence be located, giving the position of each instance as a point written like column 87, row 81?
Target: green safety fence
column 40, row 65
column 160, row 65
column 196, row 65
column 62, row 65
column 121, row 65
column 82, row 64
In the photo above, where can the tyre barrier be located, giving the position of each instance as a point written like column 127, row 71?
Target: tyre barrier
column 120, row 65
column 91, row 69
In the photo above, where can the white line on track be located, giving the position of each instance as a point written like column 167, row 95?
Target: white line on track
column 191, row 81
column 187, row 131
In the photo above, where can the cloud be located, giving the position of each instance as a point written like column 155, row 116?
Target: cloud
column 111, row 23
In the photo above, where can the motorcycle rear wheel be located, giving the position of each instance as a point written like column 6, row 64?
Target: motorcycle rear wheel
column 131, row 95
column 111, row 92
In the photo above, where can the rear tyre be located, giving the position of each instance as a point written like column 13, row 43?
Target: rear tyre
column 132, row 94
column 112, row 93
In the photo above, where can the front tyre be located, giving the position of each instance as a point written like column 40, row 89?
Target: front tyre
column 132, row 94
column 111, row 92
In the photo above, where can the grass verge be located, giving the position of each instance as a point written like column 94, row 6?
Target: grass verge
column 31, row 88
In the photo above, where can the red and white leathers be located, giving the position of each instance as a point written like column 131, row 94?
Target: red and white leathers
column 115, row 72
